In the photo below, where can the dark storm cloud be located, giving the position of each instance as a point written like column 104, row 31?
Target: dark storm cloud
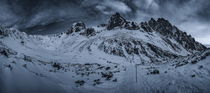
column 39, row 10
column 204, row 14
column 192, row 16
column 33, row 12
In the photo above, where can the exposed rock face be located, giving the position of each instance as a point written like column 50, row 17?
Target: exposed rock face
column 161, row 25
column 165, row 28
column 7, row 52
column 3, row 31
column 146, row 27
column 81, row 29
column 6, row 32
column 116, row 20
column 76, row 27
column 132, row 26
column 89, row 32
column 187, row 41
column 130, row 46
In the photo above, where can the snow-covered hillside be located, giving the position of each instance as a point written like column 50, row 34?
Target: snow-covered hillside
column 118, row 57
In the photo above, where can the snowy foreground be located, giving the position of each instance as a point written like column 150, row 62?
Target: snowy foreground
column 100, row 63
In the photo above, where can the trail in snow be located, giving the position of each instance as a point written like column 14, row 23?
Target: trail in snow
column 128, row 84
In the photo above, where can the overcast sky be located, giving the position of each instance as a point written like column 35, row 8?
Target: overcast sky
column 192, row 16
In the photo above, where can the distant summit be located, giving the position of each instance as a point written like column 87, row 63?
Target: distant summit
column 161, row 25
column 116, row 20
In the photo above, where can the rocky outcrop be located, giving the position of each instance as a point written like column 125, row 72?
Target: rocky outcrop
column 130, row 46
column 88, row 32
column 132, row 26
column 7, row 52
column 146, row 27
column 3, row 31
column 81, row 29
column 162, row 26
column 76, row 27
column 187, row 41
column 165, row 28
column 116, row 20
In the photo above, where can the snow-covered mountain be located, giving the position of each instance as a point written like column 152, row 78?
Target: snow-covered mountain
column 118, row 57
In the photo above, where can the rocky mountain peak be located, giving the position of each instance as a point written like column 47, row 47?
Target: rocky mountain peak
column 116, row 20
column 76, row 27
column 161, row 25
